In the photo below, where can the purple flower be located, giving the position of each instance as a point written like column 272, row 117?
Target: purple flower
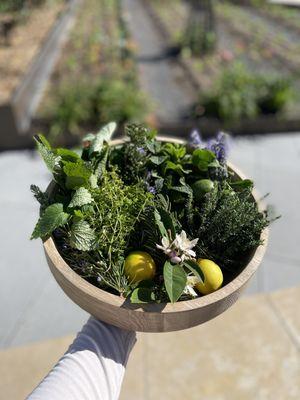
column 220, row 146
column 151, row 189
column 195, row 139
column 141, row 150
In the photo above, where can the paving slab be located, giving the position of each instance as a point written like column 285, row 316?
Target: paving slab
column 286, row 303
column 22, row 368
column 246, row 353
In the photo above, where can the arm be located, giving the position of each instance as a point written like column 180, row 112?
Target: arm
column 92, row 368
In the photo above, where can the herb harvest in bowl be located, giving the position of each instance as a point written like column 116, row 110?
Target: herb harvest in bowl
column 152, row 221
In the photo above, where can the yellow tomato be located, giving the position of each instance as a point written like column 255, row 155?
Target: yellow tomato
column 213, row 277
column 139, row 266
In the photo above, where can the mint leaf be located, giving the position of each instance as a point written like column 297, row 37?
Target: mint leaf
column 82, row 236
column 43, row 147
column 52, row 218
column 104, row 135
column 67, row 155
column 77, row 175
column 101, row 162
column 203, row 158
column 175, row 280
column 81, row 197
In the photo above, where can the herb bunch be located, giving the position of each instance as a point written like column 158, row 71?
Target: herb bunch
column 169, row 203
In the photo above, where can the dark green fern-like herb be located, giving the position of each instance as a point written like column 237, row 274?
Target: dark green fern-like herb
column 229, row 224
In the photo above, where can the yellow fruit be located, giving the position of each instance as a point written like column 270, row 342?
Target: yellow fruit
column 139, row 266
column 213, row 277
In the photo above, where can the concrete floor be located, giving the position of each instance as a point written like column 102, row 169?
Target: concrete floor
column 32, row 306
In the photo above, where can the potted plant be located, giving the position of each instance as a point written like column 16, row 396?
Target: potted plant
column 151, row 234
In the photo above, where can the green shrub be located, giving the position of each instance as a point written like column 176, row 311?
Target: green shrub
column 117, row 100
column 80, row 104
column 241, row 94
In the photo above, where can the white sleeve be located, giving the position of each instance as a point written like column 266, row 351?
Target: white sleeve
column 92, row 368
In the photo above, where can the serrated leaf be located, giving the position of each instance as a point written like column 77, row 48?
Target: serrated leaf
column 194, row 267
column 142, row 295
column 53, row 217
column 88, row 137
column 175, row 280
column 104, row 135
column 50, row 158
column 201, row 158
column 157, row 160
column 101, row 162
column 82, row 236
column 67, row 155
column 77, row 175
column 81, row 197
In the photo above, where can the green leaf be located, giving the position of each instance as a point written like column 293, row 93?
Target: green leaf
column 101, row 162
column 93, row 181
column 194, row 267
column 51, row 160
column 89, row 137
column 175, row 280
column 81, row 197
column 67, row 155
column 157, row 160
column 82, row 236
column 160, row 225
column 242, row 184
column 202, row 158
column 178, row 168
column 182, row 189
column 104, row 135
column 77, row 174
column 167, row 221
column 159, row 184
column 142, row 295
column 52, row 218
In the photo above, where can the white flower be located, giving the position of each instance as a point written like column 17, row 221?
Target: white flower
column 190, row 283
column 178, row 250
column 166, row 245
column 185, row 245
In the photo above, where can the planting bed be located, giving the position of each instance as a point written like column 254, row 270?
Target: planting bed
column 96, row 79
column 24, row 42
column 254, row 37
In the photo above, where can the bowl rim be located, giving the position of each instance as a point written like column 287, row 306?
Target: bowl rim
column 163, row 308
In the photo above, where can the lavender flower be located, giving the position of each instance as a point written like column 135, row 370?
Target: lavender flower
column 195, row 140
column 220, row 146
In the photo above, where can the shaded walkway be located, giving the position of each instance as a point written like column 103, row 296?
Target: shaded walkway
column 160, row 76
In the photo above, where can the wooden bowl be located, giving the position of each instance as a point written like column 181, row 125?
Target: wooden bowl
column 151, row 317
